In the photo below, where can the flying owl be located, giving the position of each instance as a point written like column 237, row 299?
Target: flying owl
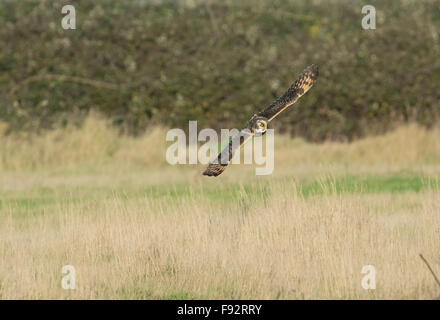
column 258, row 123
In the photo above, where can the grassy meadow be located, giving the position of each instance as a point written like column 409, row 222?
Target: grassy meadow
column 135, row 227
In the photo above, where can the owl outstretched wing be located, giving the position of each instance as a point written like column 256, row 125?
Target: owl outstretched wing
column 301, row 85
column 219, row 164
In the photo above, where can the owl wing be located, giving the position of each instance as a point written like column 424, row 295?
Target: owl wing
column 219, row 164
column 301, row 85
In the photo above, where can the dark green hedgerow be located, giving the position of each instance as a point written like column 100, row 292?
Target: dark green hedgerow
column 220, row 61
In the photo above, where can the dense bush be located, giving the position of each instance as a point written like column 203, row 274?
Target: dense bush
column 220, row 61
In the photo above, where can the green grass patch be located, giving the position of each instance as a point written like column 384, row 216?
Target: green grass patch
column 43, row 200
column 368, row 184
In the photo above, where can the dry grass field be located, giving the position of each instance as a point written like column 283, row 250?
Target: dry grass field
column 135, row 227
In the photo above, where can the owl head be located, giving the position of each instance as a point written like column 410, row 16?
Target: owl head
column 258, row 125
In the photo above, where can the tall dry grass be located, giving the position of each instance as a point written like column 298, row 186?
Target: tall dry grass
column 97, row 143
column 136, row 228
column 284, row 248
column 94, row 143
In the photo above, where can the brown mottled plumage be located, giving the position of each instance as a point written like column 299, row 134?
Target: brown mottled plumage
column 301, row 85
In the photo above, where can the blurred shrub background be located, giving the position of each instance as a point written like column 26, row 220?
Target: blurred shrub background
column 143, row 63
